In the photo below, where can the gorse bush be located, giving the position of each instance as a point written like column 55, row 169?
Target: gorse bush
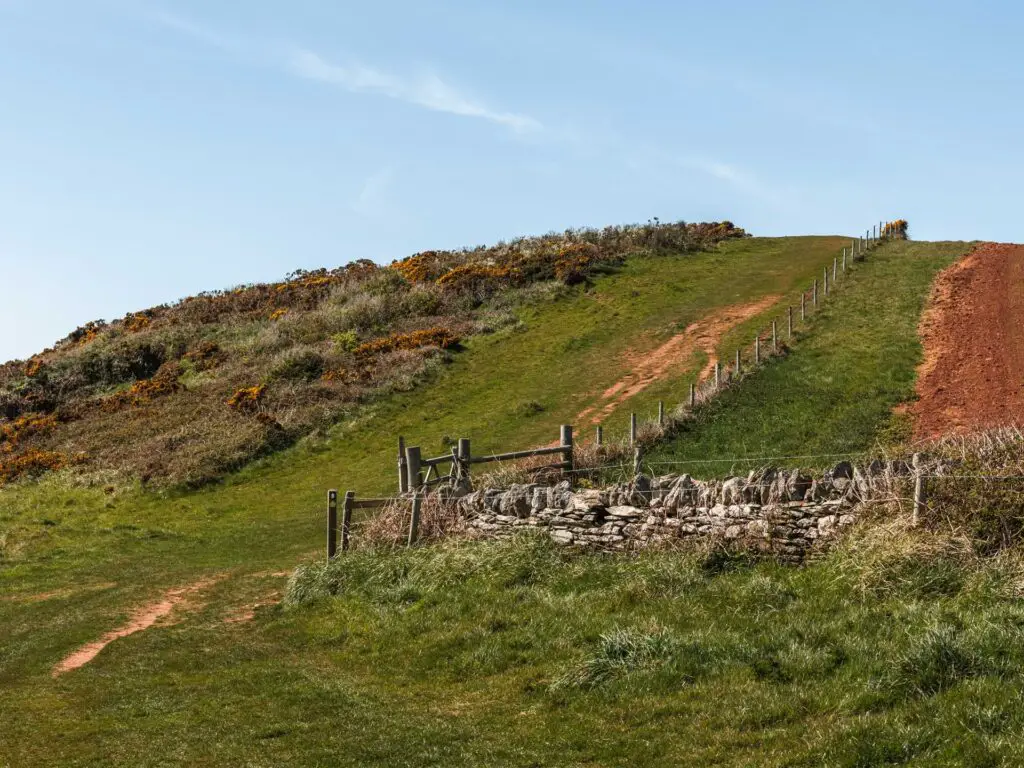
column 298, row 353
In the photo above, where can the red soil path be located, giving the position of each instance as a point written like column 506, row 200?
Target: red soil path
column 142, row 619
column 972, row 376
column 649, row 367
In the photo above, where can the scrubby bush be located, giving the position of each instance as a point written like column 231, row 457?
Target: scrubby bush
column 299, row 365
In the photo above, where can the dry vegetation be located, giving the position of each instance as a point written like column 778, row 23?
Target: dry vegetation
column 184, row 393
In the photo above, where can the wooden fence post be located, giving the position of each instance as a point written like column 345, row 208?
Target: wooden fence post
column 757, row 350
column 824, row 281
column 661, row 413
column 565, row 440
column 403, row 475
column 412, row 466
column 636, row 461
column 835, row 270
column 332, row 523
column 803, row 306
column 600, row 436
column 844, row 261
column 693, row 395
column 632, row 429
column 464, row 459
column 920, row 489
column 736, row 370
column 346, row 518
column 814, row 293
column 414, row 523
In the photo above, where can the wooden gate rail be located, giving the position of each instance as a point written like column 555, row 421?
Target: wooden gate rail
column 410, row 460
column 350, row 503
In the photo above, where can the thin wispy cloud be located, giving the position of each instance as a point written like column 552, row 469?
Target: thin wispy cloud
column 427, row 91
column 197, row 32
column 740, row 179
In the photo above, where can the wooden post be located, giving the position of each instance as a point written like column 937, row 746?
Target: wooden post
column 632, row 429
column 835, row 270
column 332, row 523
column 414, row 523
column 412, row 466
column 757, row 350
column 403, row 476
column 693, row 395
column 920, row 489
column 803, row 305
column 661, row 413
column 565, row 440
column 636, row 461
column 600, row 436
column 844, row 261
column 814, row 293
column 346, row 518
column 824, row 281
column 736, row 370
column 464, row 459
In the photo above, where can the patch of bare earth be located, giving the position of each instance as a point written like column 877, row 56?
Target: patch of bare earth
column 972, row 375
column 647, row 368
column 142, row 619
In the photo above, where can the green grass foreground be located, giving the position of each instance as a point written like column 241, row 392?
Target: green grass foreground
column 425, row 676
column 521, row 653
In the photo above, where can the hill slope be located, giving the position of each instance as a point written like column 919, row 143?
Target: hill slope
column 350, row 678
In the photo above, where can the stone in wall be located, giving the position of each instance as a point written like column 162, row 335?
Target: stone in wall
column 786, row 513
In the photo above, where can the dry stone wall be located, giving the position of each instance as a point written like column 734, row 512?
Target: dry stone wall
column 785, row 513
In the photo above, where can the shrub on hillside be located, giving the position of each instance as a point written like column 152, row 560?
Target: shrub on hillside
column 299, row 365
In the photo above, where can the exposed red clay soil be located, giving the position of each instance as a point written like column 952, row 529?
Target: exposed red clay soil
column 141, row 619
column 972, row 376
column 647, row 368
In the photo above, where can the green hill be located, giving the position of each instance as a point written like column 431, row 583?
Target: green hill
column 497, row 654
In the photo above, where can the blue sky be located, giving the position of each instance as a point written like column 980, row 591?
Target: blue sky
column 150, row 150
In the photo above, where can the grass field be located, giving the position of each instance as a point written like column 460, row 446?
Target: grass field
column 338, row 682
column 836, row 392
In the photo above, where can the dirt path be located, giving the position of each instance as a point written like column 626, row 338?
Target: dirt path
column 141, row 619
column 972, row 375
column 648, row 368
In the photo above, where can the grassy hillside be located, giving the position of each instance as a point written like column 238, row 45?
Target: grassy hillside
column 835, row 393
column 372, row 677
column 184, row 394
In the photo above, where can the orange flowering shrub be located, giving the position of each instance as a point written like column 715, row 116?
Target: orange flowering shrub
column 422, row 267
column 136, row 322
column 206, row 356
column 247, row 399
column 428, row 337
column 24, row 427
column 33, row 367
column 163, row 383
column 573, row 262
column 475, row 276
column 83, row 334
column 34, row 463
column 895, row 229
column 277, row 314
